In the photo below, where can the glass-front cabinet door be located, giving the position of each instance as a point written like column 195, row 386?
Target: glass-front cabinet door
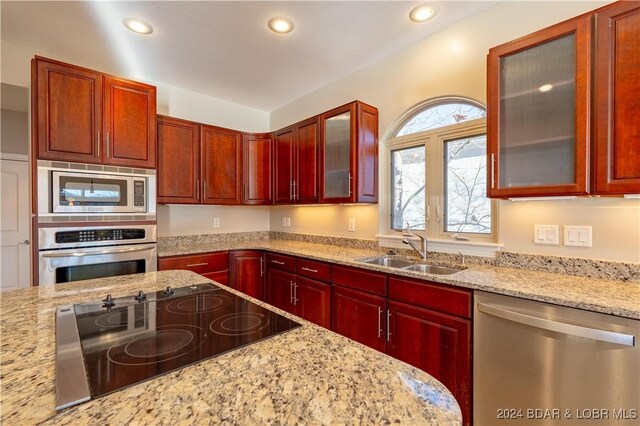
column 338, row 155
column 538, row 97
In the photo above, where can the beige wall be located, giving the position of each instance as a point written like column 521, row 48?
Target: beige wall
column 453, row 62
column 15, row 132
column 196, row 220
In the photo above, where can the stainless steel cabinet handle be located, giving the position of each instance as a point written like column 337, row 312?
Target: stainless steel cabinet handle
column 291, row 292
column 291, row 190
column 558, row 327
column 295, row 190
column 493, row 175
column 309, row 269
column 295, row 293
column 350, row 184
column 108, row 154
column 95, row 253
column 277, row 262
column 388, row 324
column 379, row 321
column 262, row 266
column 198, row 264
column 98, row 143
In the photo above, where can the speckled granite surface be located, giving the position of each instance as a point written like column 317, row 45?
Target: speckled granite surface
column 616, row 297
column 306, row 376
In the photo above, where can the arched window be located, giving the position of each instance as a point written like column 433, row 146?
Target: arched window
column 438, row 170
column 440, row 113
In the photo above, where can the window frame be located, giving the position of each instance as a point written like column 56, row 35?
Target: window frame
column 433, row 140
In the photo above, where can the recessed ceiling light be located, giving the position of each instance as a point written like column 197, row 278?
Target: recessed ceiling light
column 545, row 87
column 138, row 26
column 280, row 25
column 422, row 13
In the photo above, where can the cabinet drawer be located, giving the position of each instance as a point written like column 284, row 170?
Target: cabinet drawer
column 282, row 262
column 200, row 263
column 371, row 282
column 221, row 277
column 430, row 295
column 316, row 270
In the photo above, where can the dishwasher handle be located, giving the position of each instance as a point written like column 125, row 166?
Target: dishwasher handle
column 559, row 327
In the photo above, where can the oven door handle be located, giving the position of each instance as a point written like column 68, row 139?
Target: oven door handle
column 97, row 253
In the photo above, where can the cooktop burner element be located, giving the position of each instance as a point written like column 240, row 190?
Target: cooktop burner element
column 133, row 339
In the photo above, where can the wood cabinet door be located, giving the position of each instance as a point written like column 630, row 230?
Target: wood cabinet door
column 338, row 154
column 283, row 167
column 436, row 343
column 359, row 316
column 313, row 301
column 538, row 123
column 366, row 185
column 280, row 290
column 307, row 167
column 68, row 103
column 221, row 165
column 178, row 161
column 246, row 272
column 129, row 123
column 617, row 109
column 257, row 154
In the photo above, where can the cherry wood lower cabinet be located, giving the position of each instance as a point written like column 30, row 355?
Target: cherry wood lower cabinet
column 214, row 266
column 247, row 272
column 359, row 316
column 437, row 343
column 305, row 297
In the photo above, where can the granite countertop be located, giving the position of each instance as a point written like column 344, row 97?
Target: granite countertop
column 306, row 375
column 615, row 297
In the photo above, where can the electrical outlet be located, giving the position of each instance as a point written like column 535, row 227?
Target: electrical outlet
column 546, row 234
column 352, row 225
column 577, row 236
column 283, row 222
column 216, row 222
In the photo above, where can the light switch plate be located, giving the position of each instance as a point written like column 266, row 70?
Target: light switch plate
column 546, row 234
column 284, row 222
column 352, row 225
column 288, row 225
column 216, row 222
column 577, row 236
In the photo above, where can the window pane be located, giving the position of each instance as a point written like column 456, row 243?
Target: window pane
column 408, row 188
column 467, row 208
column 441, row 115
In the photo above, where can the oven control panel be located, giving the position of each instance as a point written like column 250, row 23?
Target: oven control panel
column 138, row 195
column 89, row 235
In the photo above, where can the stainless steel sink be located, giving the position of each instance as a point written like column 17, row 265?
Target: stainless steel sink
column 390, row 261
column 432, row 269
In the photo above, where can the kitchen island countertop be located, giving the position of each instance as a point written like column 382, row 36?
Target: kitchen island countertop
column 614, row 297
column 306, row 375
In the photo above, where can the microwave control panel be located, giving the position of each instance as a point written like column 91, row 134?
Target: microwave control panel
column 139, row 196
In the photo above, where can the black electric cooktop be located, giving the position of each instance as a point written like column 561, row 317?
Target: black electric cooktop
column 128, row 340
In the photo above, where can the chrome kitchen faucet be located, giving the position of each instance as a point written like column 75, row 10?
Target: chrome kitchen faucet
column 423, row 251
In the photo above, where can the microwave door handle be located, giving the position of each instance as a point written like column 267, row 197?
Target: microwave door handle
column 96, row 253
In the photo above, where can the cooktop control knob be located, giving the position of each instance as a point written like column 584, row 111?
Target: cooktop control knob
column 108, row 301
column 140, row 296
column 169, row 291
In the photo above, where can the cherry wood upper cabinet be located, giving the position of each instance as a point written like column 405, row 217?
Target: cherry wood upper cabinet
column 178, row 161
column 257, row 165
column 221, row 164
column 538, row 123
column 85, row 116
column 129, row 123
column 349, row 154
column 297, row 163
column 68, row 110
column 616, row 166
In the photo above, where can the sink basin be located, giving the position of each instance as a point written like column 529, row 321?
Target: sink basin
column 390, row 261
column 432, row 269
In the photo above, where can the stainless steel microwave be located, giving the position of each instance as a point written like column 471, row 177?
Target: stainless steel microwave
column 68, row 192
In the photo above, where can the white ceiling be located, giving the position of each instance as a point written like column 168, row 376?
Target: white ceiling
column 224, row 49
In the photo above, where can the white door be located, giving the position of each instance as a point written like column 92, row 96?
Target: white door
column 14, row 234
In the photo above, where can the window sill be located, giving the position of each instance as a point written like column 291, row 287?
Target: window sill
column 470, row 248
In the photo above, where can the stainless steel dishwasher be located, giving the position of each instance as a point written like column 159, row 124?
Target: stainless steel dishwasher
column 542, row 364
